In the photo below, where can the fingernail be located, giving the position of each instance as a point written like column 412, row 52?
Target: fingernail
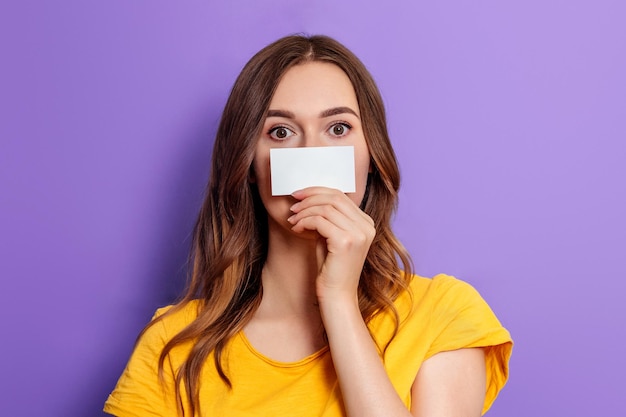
column 294, row 207
column 290, row 219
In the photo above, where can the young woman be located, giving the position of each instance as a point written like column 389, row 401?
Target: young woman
column 305, row 305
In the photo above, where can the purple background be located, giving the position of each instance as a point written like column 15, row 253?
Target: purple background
column 509, row 121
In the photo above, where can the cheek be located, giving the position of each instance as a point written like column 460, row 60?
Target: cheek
column 261, row 167
column 362, row 164
column 362, row 168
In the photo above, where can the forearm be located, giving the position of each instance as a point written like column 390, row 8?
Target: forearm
column 365, row 386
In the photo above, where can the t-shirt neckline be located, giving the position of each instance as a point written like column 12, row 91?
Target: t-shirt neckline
column 279, row 364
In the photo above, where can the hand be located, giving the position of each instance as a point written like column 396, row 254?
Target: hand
column 346, row 234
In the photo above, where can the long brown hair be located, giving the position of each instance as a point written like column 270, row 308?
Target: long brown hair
column 230, row 236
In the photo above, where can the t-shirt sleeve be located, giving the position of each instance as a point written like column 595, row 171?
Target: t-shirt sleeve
column 462, row 319
column 139, row 391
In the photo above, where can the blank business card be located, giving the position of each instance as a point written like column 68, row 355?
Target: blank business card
column 328, row 166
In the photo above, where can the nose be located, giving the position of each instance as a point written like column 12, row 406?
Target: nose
column 312, row 139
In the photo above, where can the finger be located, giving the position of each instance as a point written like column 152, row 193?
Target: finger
column 326, row 196
column 337, row 239
column 309, row 191
column 329, row 213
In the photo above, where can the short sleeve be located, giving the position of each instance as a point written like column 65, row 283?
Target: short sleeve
column 462, row 319
column 139, row 391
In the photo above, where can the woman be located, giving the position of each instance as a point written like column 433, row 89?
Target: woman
column 297, row 305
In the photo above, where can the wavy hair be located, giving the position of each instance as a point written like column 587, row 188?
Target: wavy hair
column 230, row 237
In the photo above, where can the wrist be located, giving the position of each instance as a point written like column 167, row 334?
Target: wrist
column 339, row 306
column 337, row 297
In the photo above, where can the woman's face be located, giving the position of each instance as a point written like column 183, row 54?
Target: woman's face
column 314, row 105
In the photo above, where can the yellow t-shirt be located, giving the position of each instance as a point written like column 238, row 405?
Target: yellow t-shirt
column 444, row 314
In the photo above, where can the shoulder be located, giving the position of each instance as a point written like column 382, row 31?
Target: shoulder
column 170, row 320
column 178, row 314
column 427, row 307
column 441, row 292
column 140, row 391
column 451, row 312
column 438, row 285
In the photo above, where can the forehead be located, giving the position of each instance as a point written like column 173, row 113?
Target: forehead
column 314, row 86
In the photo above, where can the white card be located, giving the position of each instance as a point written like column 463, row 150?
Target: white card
column 293, row 169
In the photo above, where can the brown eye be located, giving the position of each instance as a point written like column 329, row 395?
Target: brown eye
column 339, row 129
column 280, row 133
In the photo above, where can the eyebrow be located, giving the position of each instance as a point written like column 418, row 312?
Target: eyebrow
column 281, row 113
column 337, row 110
column 326, row 113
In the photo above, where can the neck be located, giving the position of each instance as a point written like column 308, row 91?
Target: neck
column 289, row 274
column 287, row 325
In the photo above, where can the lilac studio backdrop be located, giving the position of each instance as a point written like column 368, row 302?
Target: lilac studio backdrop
column 508, row 118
